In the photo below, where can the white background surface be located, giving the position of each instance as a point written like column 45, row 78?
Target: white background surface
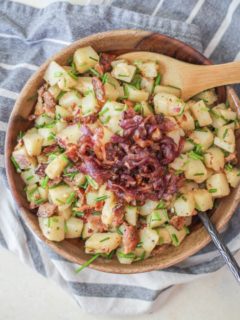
column 26, row 295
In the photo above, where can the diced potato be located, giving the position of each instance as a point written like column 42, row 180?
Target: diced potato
column 201, row 113
column 131, row 215
column 157, row 218
column 123, row 72
column 140, row 254
column 73, row 228
column 29, row 176
column 91, row 198
column 164, row 236
column 70, row 99
column 187, row 146
column 186, row 121
column 218, row 120
column 185, row 205
column 60, row 125
column 85, row 58
column 167, row 89
column 168, row 104
column 56, row 166
column 214, row 158
column 89, row 104
column 110, row 115
column 148, row 69
column 148, row 207
column 43, row 119
column 87, row 230
column 228, row 114
column 111, row 88
column 176, row 135
column 203, row 137
column 179, row 163
column 22, row 158
column 43, row 192
column 71, row 134
column 143, row 108
column 102, row 242
column 124, row 258
column 108, row 208
column 233, row 177
column 55, row 74
column 208, row 96
column 54, row 90
column 33, row 142
column 188, row 186
column 195, row 170
column 203, row 199
column 52, row 228
column 149, row 239
column 48, row 135
column 64, row 212
column 63, row 113
column 60, row 195
column 224, row 145
column 135, row 94
column 218, row 186
column 147, row 84
column 84, row 85
column 177, row 236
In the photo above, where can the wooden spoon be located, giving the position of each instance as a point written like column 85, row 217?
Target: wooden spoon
column 190, row 78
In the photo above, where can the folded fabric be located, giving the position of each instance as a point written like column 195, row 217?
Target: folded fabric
column 28, row 37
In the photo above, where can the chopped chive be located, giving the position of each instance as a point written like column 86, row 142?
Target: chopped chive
column 16, row 165
column 58, row 74
column 175, row 239
column 49, row 222
column 225, row 133
column 104, row 239
column 51, row 136
column 106, row 120
column 186, row 230
column 158, row 80
column 228, row 167
column 94, row 72
column 71, row 175
column 126, row 92
column 92, row 182
column 195, row 156
column 123, row 75
column 44, row 182
column 138, row 108
column 84, row 185
column 87, row 263
column 96, row 213
column 52, row 156
column 129, row 255
column 119, row 231
column 29, row 178
column 104, row 110
column 39, row 201
column 142, row 256
column 227, row 104
column 70, row 198
column 212, row 190
column 161, row 205
column 199, row 174
column 139, row 245
column 104, row 78
column 94, row 59
column 102, row 198
column 78, row 213
column 20, row 135
column 60, row 201
column 72, row 75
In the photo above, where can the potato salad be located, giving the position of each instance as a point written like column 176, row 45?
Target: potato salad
column 120, row 161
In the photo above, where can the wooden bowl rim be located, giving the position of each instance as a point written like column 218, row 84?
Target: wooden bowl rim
column 121, row 269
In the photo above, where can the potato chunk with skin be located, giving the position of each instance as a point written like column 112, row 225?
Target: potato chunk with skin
column 218, row 186
column 33, row 142
column 73, row 228
column 70, row 134
column 111, row 114
column 149, row 239
column 102, row 242
column 214, row 158
column 185, row 205
column 52, row 228
column 123, row 71
column 233, row 177
column 56, row 166
column 168, row 104
column 195, row 170
column 148, row 207
column 85, row 58
column 203, row 137
column 201, row 113
column 186, row 121
column 136, row 95
column 203, row 199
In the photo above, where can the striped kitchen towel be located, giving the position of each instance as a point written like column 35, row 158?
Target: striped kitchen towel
column 28, row 36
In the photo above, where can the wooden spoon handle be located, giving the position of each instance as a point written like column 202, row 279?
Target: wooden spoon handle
column 222, row 248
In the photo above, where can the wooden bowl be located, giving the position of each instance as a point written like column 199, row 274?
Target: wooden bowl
column 119, row 41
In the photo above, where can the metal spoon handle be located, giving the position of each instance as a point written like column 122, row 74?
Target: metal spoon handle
column 226, row 254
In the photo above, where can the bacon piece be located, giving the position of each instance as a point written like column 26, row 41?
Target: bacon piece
column 40, row 170
column 105, row 61
column 99, row 68
column 99, row 90
column 129, row 103
column 130, row 238
column 178, row 222
column 95, row 223
column 49, row 102
column 72, row 152
column 46, row 210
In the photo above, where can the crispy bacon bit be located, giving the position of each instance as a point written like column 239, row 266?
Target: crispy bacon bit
column 99, row 90
column 105, row 61
column 50, row 149
column 46, row 210
column 178, row 222
column 118, row 215
column 96, row 223
column 130, row 238
column 158, row 250
column 99, row 68
column 72, row 152
column 40, row 170
column 129, row 103
column 49, row 102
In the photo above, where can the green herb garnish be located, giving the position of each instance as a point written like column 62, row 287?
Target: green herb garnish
column 102, row 198
column 78, row 213
column 70, row 198
column 94, row 59
column 104, row 239
column 16, row 165
column 199, row 174
column 29, row 178
column 212, row 190
column 97, row 74
column 228, row 167
column 87, row 263
column 196, row 156
column 44, row 182
column 225, row 133
column 161, row 205
column 92, row 182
